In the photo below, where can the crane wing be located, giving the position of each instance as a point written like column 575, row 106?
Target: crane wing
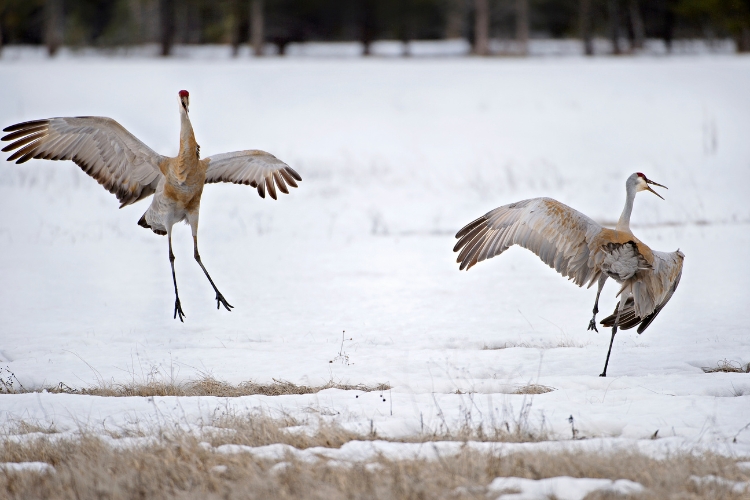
column 100, row 146
column 648, row 292
column 561, row 236
column 257, row 168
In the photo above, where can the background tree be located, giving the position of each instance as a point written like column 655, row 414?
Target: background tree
column 719, row 17
column 166, row 23
column 109, row 23
column 585, row 22
column 522, row 25
column 257, row 23
column 481, row 27
column 54, row 25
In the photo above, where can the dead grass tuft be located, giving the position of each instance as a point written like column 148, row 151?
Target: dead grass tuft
column 9, row 383
column 180, row 465
column 727, row 366
column 204, row 386
column 533, row 389
column 23, row 427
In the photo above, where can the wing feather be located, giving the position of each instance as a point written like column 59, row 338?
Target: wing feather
column 253, row 167
column 102, row 147
column 561, row 236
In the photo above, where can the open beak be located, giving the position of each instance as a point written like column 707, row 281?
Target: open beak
column 655, row 184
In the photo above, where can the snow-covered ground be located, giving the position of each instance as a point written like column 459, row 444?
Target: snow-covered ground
column 396, row 156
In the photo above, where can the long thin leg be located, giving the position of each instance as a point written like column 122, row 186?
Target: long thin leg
column 177, row 305
column 220, row 300
column 592, row 323
column 612, row 340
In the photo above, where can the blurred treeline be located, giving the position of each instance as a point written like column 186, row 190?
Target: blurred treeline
column 112, row 23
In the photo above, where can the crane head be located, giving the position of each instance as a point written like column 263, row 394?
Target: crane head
column 642, row 184
column 184, row 99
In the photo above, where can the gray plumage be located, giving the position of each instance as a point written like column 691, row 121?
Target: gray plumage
column 103, row 148
column 581, row 250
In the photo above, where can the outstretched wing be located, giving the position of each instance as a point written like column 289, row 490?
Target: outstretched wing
column 100, row 146
column 648, row 292
column 561, row 236
column 254, row 167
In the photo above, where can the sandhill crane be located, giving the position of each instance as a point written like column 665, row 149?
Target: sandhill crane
column 582, row 251
column 132, row 171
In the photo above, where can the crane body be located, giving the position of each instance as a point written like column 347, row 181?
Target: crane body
column 583, row 251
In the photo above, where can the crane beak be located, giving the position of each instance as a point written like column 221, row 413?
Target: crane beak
column 655, row 184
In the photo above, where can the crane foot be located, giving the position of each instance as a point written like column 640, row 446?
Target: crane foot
column 592, row 325
column 178, row 310
column 603, row 374
column 221, row 301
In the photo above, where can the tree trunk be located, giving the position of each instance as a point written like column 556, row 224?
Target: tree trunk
column 743, row 39
column 454, row 26
column 636, row 23
column 614, row 26
column 235, row 34
column 256, row 27
column 367, row 25
column 481, row 27
column 522, row 26
column 669, row 22
column 136, row 34
column 166, row 21
column 585, row 13
column 54, row 20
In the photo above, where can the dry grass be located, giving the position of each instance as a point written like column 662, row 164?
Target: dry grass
column 533, row 389
column 728, row 367
column 178, row 466
column 204, row 386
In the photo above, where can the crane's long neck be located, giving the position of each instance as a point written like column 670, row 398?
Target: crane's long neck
column 187, row 137
column 624, row 223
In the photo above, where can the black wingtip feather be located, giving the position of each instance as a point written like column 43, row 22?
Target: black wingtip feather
column 471, row 225
column 288, row 178
column 293, row 173
column 19, row 126
column 280, row 182
column 21, row 133
column 270, row 187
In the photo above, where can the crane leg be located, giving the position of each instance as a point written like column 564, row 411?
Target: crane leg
column 612, row 340
column 220, row 300
column 177, row 305
column 592, row 323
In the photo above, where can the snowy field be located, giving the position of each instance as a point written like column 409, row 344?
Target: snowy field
column 395, row 156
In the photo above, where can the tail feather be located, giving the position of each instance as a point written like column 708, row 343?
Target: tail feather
column 142, row 222
column 628, row 319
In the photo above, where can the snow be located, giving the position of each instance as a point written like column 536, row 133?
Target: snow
column 40, row 467
column 396, row 156
column 366, row 451
column 738, row 487
column 564, row 487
